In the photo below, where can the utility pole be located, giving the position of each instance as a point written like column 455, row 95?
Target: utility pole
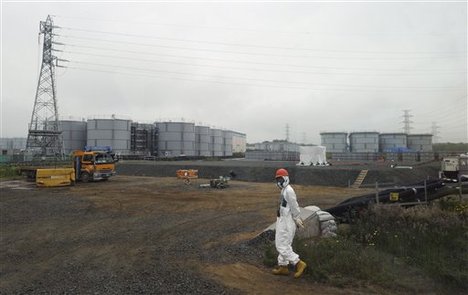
column 44, row 136
column 406, row 121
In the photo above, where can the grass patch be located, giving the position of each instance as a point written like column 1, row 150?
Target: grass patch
column 434, row 239
column 343, row 262
column 9, row 172
column 416, row 250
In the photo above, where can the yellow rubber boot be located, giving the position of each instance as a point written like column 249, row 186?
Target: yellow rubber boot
column 300, row 267
column 281, row 270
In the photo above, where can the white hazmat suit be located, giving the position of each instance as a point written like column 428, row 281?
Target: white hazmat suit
column 288, row 217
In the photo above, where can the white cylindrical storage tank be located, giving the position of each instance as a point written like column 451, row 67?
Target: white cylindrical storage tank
column 176, row 139
column 202, row 141
column 113, row 132
column 364, row 142
column 335, row 142
column 261, row 146
column 227, row 143
column 277, row 146
column 239, row 143
column 73, row 134
column 389, row 142
column 420, row 142
column 217, row 143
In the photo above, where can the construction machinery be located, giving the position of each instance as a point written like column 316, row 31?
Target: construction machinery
column 220, row 183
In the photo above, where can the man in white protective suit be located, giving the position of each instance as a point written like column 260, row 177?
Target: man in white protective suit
column 288, row 218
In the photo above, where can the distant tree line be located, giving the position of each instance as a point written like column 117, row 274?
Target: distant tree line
column 450, row 147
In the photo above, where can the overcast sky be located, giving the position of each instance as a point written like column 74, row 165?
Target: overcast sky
column 248, row 67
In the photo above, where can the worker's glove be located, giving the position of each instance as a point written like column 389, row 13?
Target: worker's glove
column 299, row 222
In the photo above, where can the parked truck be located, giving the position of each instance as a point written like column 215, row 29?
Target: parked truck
column 94, row 163
column 90, row 164
column 454, row 168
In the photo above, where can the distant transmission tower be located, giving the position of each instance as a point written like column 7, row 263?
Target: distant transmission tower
column 287, row 132
column 406, row 121
column 435, row 132
column 44, row 137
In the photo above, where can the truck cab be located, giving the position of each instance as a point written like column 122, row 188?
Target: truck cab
column 94, row 164
column 454, row 168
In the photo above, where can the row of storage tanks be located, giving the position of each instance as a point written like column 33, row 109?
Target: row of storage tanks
column 374, row 142
column 163, row 139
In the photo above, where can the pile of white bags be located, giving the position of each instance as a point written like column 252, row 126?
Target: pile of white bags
column 326, row 222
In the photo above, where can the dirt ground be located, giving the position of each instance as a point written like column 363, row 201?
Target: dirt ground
column 146, row 235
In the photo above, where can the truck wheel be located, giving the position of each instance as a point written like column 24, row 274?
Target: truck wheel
column 85, row 177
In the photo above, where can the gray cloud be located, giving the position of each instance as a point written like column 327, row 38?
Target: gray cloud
column 316, row 66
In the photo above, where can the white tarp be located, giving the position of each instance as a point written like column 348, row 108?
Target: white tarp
column 312, row 155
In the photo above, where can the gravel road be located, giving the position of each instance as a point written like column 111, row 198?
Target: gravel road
column 142, row 235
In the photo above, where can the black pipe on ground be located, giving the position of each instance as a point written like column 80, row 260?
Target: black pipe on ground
column 407, row 194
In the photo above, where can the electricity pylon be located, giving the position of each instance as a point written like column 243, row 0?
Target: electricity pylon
column 406, row 121
column 435, row 132
column 44, row 136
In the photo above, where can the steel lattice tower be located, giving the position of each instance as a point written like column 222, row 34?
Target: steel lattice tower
column 406, row 121
column 44, row 136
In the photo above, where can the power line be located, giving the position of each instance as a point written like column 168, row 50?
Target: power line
column 308, row 33
column 451, row 121
column 446, row 114
column 405, row 71
column 447, row 108
column 132, row 74
column 188, row 79
column 247, row 53
column 452, row 110
column 250, row 45
column 262, row 80
column 224, row 67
